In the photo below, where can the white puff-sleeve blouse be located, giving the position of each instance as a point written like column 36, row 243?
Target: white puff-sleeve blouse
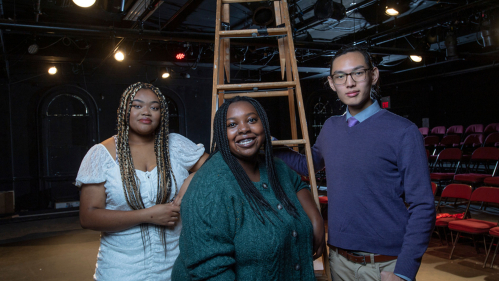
column 123, row 255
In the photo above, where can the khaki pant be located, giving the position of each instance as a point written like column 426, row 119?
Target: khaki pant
column 345, row 270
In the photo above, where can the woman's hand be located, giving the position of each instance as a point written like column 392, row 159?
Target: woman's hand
column 163, row 214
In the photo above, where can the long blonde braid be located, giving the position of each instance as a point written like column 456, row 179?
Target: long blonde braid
column 131, row 183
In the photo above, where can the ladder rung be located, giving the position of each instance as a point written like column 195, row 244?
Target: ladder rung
column 241, row 1
column 288, row 142
column 253, row 32
column 262, row 94
column 248, row 86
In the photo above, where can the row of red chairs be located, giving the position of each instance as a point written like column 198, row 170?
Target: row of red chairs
column 481, row 167
column 458, row 130
column 471, row 141
column 469, row 225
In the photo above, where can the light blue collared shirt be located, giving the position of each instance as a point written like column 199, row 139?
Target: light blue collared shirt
column 366, row 113
column 362, row 116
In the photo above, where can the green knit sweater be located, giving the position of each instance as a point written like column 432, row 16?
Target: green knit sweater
column 222, row 239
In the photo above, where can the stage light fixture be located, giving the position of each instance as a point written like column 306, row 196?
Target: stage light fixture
column 84, row 3
column 119, row 56
column 392, row 8
column 52, row 70
column 33, row 49
column 263, row 16
column 416, row 58
column 324, row 9
column 165, row 73
column 180, row 56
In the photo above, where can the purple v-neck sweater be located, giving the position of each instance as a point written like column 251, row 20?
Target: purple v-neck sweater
column 372, row 168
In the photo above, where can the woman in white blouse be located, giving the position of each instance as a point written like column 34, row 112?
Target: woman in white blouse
column 131, row 188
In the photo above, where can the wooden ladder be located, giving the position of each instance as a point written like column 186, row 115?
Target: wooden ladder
column 290, row 88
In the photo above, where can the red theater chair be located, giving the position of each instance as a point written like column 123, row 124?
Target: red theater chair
column 491, row 128
column 453, row 191
column 474, row 226
column 455, row 130
column 494, row 233
column 438, row 131
column 424, row 131
column 446, row 165
column 482, row 165
column 492, row 140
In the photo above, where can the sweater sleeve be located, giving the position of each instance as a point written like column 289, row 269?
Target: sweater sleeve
column 208, row 231
column 298, row 161
column 413, row 167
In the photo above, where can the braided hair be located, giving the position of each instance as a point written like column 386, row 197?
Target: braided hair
column 220, row 143
column 131, row 183
column 375, row 92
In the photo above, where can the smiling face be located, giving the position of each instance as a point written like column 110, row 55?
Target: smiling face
column 245, row 131
column 354, row 94
column 145, row 113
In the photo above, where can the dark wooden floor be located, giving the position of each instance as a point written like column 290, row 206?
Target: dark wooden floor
column 59, row 249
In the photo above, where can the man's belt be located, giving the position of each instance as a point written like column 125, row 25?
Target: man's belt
column 362, row 259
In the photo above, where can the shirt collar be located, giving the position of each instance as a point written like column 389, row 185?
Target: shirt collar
column 366, row 113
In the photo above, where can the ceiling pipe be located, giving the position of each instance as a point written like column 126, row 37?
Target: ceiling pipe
column 38, row 12
column 106, row 32
column 424, row 22
column 445, row 74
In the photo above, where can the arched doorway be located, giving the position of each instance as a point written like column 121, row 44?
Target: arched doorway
column 68, row 127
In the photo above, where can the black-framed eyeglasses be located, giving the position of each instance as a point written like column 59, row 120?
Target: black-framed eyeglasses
column 358, row 75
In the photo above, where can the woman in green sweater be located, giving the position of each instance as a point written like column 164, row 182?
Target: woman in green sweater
column 247, row 216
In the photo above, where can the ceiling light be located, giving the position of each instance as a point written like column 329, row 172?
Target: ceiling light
column 165, row 73
column 392, row 8
column 84, row 3
column 52, row 70
column 180, row 56
column 391, row 11
column 119, row 56
column 416, row 58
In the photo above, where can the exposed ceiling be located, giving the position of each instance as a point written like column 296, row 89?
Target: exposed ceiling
column 153, row 31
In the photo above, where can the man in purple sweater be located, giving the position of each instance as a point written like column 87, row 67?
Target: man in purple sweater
column 381, row 208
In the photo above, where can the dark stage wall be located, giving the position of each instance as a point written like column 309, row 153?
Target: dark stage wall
column 464, row 99
column 24, row 161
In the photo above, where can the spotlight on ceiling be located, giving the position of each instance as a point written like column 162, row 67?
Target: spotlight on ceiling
column 263, row 15
column 180, row 56
column 52, row 70
column 84, row 3
column 165, row 74
column 119, row 56
column 392, row 8
column 33, row 49
column 324, row 9
column 416, row 58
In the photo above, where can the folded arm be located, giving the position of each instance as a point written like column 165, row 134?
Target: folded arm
column 95, row 216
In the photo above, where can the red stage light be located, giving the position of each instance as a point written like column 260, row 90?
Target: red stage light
column 180, row 56
column 385, row 104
